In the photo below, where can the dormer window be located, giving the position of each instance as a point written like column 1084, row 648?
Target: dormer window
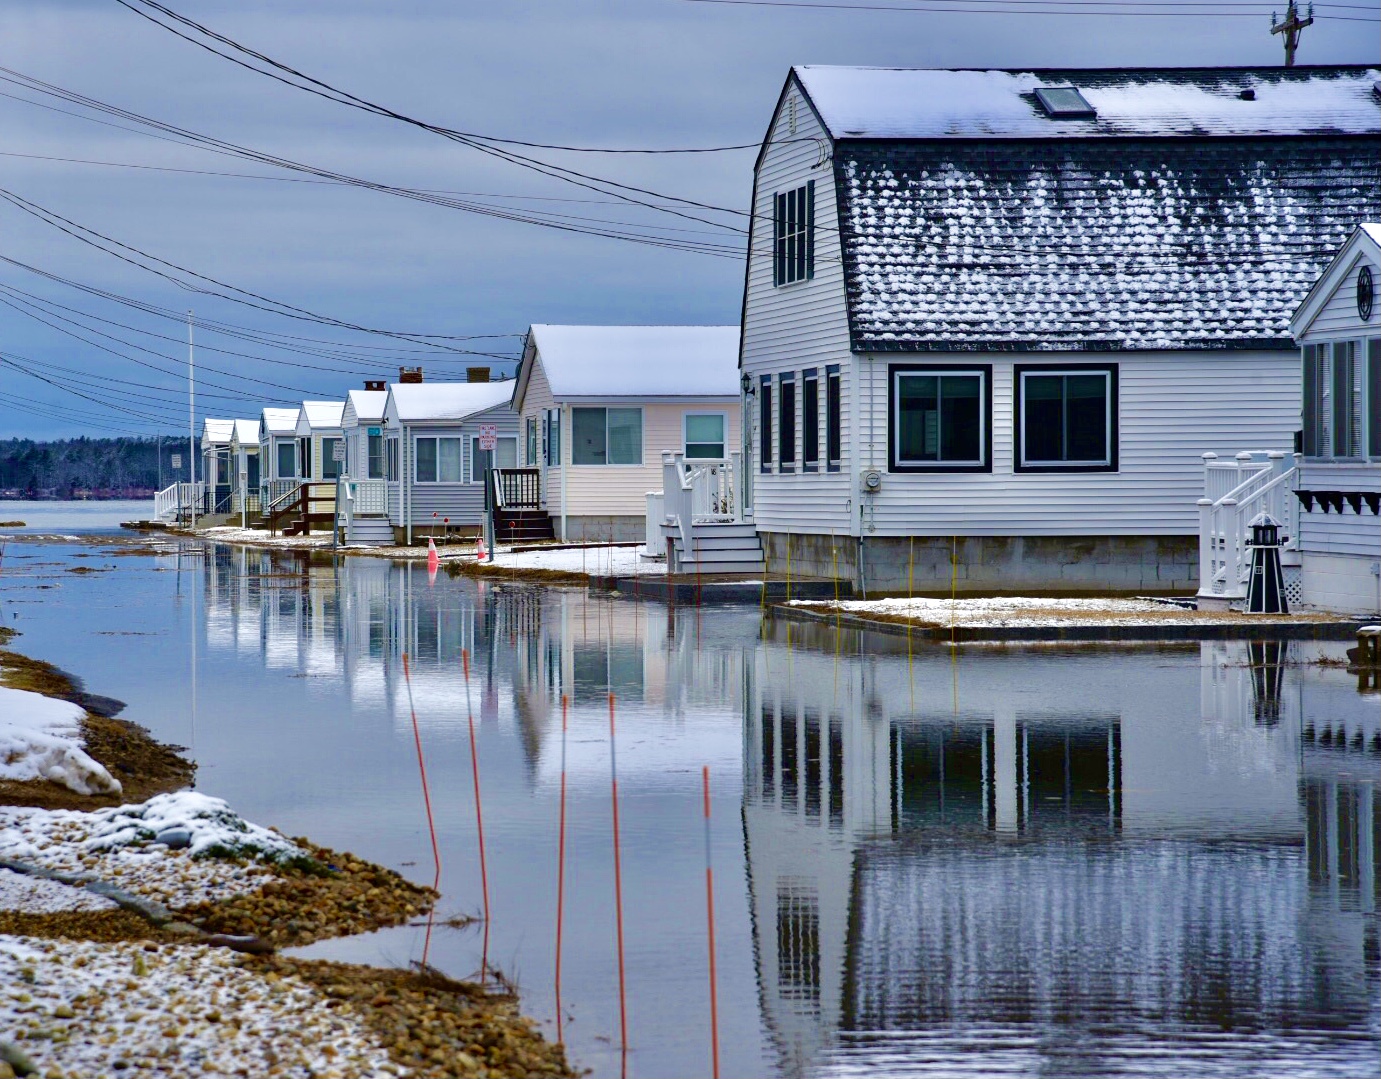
column 1064, row 103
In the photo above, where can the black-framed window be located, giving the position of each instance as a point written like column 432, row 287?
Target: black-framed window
column 786, row 422
column 1066, row 418
column 287, row 459
column 765, row 424
column 810, row 420
column 834, row 416
column 391, row 471
column 375, row 454
column 1345, row 441
column 793, row 235
column 938, row 418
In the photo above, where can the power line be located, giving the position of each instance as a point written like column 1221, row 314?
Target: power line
column 1183, row 8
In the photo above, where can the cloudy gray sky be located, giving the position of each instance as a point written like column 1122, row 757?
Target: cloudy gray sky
column 602, row 73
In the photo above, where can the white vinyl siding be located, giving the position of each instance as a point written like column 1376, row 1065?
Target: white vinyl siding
column 1172, row 407
column 797, row 327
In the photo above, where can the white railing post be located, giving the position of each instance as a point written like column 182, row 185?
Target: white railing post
column 736, row 485
column 1206, row 567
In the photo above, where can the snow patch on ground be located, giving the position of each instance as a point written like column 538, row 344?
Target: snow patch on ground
column 598, row 561
column 77, row 1008
column 178, row 849
column 40, row 738
column 1029, row 611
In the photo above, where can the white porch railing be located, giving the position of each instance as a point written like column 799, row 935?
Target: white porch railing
column 698, row 492
column 361, row 498
column 176, row 499
column 1236, row 491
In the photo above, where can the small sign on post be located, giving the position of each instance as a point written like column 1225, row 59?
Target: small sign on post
column 489, row 436
column 338, row 452
column 177, row 460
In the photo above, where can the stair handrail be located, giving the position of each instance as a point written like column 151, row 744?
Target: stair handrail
column 1223, row 522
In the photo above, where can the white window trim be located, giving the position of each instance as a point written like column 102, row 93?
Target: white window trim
column 438, row 482
column 1109, row 405
column 641, row 462
column 685, row 440
column 940, row 464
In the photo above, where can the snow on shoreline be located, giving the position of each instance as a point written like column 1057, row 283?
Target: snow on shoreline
column 40, row 738
column 1027, row 611
column 177, row 849
column 82, row 1008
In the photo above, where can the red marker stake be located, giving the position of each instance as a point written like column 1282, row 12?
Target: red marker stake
column 479, row 813
column 427, row 801
column 618, row 884
column 561, row 868
column 709, row 909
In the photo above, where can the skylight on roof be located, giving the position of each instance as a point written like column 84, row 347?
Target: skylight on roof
column 1064, row 102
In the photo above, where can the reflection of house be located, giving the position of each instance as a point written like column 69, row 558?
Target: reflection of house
column 935, row 849
column 600, row 405
column 1339, row 481
column 976, row 302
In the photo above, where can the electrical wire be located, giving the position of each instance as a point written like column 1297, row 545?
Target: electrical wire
column 1185, row 8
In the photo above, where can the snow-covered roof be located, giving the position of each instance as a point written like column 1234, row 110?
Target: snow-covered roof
column 246, row 432
column 420, row 402
column 279, row 421
column 638, row 361
column 901, row 103
column 1090, row 244
column 368, row 405
column 1373, row 230
column 319, row 416
column 217, row 431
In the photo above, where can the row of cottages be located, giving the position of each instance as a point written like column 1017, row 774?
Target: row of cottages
column 600, row 405
column 993, row 319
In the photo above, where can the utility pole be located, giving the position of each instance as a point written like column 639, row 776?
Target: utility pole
column 192, row 423
column 1291, row 26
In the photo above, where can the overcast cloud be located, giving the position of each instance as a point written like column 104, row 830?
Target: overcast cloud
column 643, row 73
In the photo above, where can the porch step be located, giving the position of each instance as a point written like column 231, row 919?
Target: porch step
column 524, row 524
column 726, row 530
column 373, row 531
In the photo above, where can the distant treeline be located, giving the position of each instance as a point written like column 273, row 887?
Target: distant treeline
column 89, row 467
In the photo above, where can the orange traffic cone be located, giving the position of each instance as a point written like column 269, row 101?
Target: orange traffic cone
column 433, row 559
column 480, row 555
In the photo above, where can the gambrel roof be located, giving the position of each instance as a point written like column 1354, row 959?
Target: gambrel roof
column 1181, row 216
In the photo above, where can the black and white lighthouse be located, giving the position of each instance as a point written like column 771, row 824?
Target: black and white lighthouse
column 1266, row 588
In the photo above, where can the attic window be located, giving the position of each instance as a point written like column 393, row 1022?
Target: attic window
column 1064, row 102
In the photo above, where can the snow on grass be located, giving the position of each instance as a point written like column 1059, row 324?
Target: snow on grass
column 1026, row 611
column 34, row 895
column 78, row 1008
column 178, row 849
column 41, row 738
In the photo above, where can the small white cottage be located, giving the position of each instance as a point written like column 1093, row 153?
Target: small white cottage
column 1338, row 484
column 277, row 453
column 600, row 404
column 244, row 467
column 215, row 464
column 433, row 460
column 362, row 426
column 992, row 319
column 319, row 435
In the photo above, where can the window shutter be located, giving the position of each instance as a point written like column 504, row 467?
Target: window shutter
column 810, row 229
column 1310, row 418
column 1374, row 397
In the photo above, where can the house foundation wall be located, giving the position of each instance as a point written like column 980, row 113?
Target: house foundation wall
column 932, row 565
column 1342, row 583
column 611, row 528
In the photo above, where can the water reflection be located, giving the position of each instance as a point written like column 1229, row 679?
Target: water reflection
column 1035, row 861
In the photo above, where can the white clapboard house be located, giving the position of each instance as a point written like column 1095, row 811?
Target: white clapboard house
column 434, row 464
column 215, row 465
column 364, row 511
column 600, row 405
column 278, row 471
column 1339, row 482
column 993, row 319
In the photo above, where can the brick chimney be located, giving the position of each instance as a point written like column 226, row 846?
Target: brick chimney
column 477, row 374
column 375, row 384
column 409, row 374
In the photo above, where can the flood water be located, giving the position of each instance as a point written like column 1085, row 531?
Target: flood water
column 1042, row 861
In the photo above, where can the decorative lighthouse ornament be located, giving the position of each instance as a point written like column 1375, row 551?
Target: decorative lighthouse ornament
column 1266, row 587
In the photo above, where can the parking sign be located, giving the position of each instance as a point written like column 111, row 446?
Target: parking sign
column 489, row 436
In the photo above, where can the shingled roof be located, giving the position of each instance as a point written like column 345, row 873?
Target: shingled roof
column 1166, row 222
